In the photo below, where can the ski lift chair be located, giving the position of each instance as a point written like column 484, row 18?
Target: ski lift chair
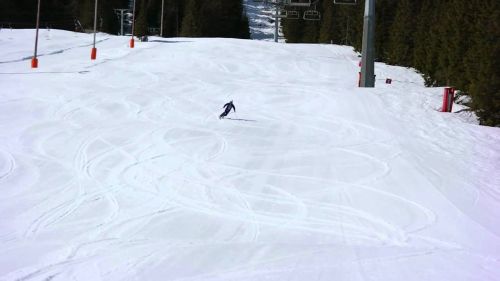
column 299, row 3
column 283, row 14
column 293, row 15
column 312, row 15
column 345, row 2
column 274, row 2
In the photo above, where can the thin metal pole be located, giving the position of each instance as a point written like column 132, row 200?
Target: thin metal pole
column 161, row 24
column 133, row 20
column 368, row 45
column 95, row 21
column 121, row 11
column 276, row 24
column 37, row 25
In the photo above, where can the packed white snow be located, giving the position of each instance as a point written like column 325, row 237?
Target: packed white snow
column 120, row 169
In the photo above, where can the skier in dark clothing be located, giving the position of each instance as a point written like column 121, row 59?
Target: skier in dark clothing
column 227, row 108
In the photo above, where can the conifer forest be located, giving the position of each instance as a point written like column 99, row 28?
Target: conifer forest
column 451, row 43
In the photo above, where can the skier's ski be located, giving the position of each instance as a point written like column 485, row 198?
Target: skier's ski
column 240, row 119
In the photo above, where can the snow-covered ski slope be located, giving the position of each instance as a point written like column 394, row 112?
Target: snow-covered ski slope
column 261, row 21
column 120, row 169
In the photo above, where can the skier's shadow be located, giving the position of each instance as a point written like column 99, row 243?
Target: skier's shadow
column 239, row 119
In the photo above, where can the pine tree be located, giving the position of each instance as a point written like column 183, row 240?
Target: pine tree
column 355, row 19
column 310, row 32
column 399, row 50
column 141, row 23
column 191, row 26
column 482, row 60
column 422, row 55
column 173, row 17
column 18, row 13
column 244, row 30
column 293, row 30
column 385, row 13
column 459, row 21
column 327, row 24
column 110, row 22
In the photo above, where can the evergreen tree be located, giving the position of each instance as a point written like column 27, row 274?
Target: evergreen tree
column 191, row 25
column 172, row 18
column 384, row 18
column 222, row 18
column 423, row 57
column 482, row 60
column 327, row 24
column 310, row 32
column 107, row 21
column 141, row 23
column 86, row 14
column 18, row 13
column 110, row 22
column 293, row 30
column 456, row 44
column 244, row 30
column 444, row 31
column 355, row 18
column 399, row 50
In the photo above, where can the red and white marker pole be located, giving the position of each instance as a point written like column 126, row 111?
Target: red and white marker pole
column 34, row 60
column 93, row 53
column 133, row 26
column 448, row 96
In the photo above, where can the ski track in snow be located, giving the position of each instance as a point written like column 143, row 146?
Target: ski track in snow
column 127, row 173
column 8, row 164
